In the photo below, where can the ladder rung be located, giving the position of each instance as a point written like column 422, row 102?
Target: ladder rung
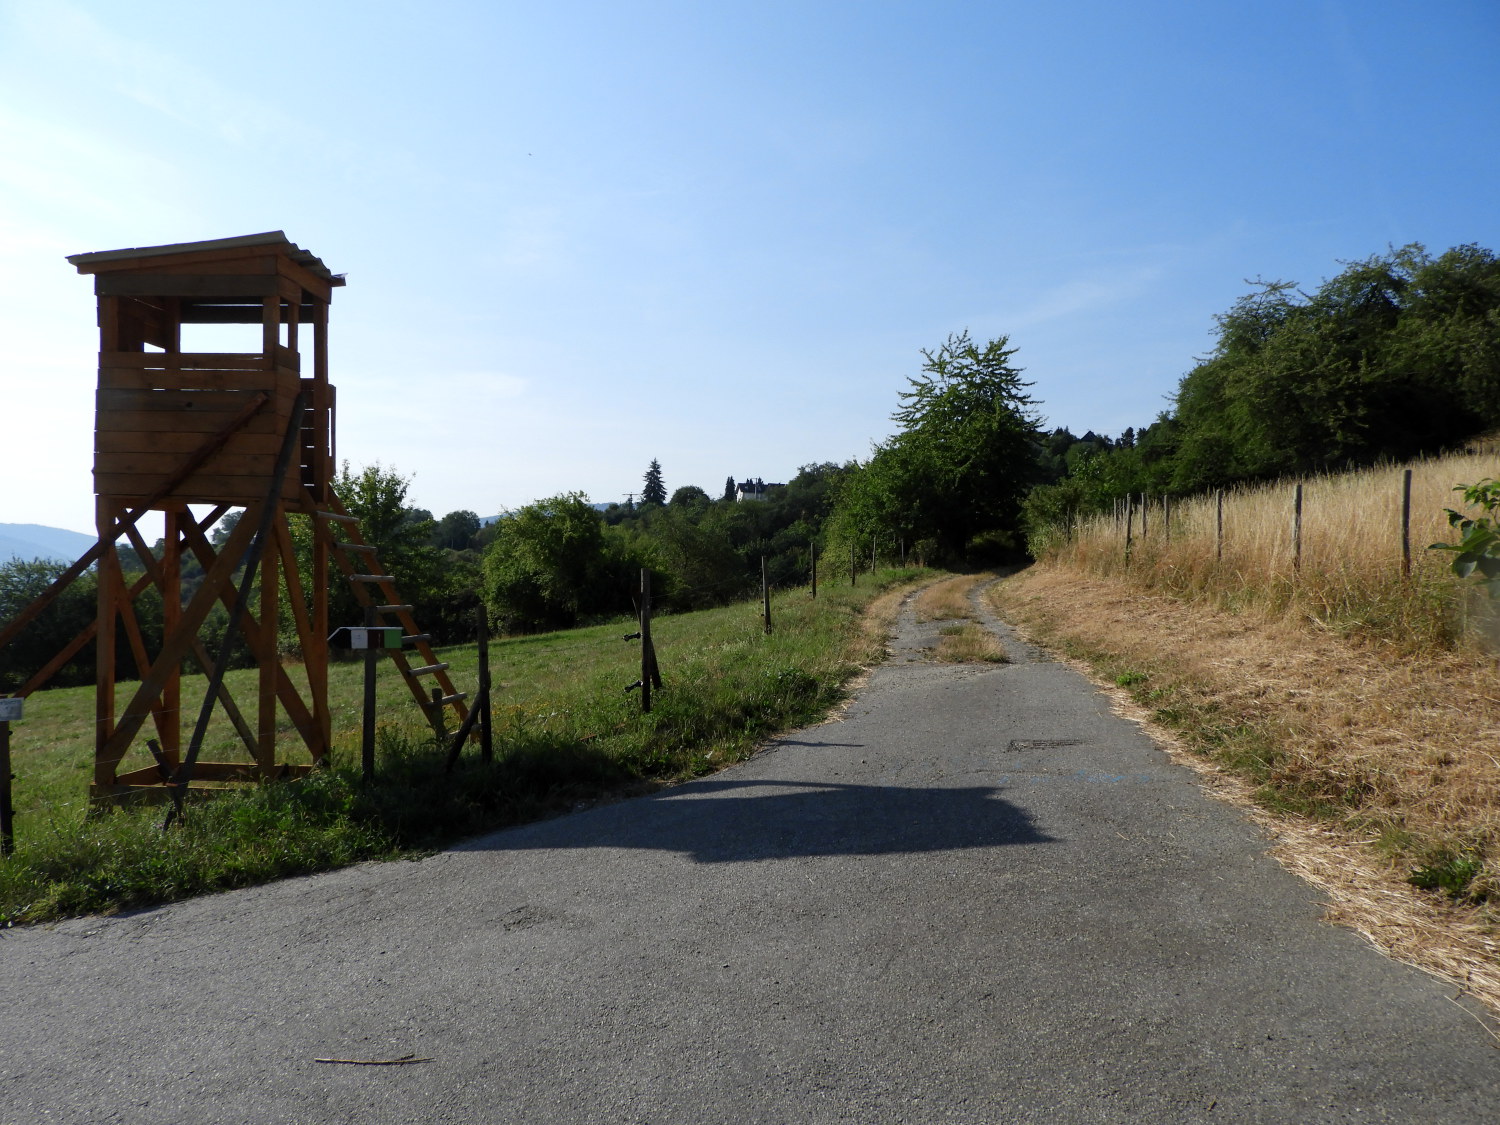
column 393, row 609
column 372, row 578
column 336, row 516
column 355, row 547
column 426, row 669
column 416, row 638
column 447, row 699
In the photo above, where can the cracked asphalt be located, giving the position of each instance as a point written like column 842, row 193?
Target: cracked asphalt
column 978, row 897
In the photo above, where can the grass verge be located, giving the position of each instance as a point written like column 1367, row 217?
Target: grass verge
column 565, row 734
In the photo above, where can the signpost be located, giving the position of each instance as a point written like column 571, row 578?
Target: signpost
column 370, row 639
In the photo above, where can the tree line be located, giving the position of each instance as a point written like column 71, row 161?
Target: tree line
column 1396, row 356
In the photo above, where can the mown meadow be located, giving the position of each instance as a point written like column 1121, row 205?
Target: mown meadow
column 566, row 734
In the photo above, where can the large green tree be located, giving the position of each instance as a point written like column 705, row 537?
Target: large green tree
column 965, row 456
column 551, row 565
column 1397, row 355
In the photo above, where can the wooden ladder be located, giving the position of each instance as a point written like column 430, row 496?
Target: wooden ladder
column 357, row 559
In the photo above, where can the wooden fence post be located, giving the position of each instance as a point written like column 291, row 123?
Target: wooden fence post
column 7, row 814
column 812, row 550
column 765, row 593
column 1406, row 523
column 439, row 724
column 367, row 723
column 1129, row 522
column 1297, row 529
column 1219, row 525
column 1145, row 500
column 649, row 672
column 486, row 735
column 853, row 574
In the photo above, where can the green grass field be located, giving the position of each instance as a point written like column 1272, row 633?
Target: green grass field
column 565, row 732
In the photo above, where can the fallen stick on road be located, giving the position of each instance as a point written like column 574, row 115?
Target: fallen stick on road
column 402, row 1061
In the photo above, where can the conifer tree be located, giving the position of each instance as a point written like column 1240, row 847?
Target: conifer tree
column 655, row 491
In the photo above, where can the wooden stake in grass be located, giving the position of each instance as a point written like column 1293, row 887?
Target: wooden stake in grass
column 486, row 732
column 648, row 653
column 7, row 814
column 1406, row 523
column 1129, row 521
column 1297, row 528
column 1219, row 526
column 765, row 593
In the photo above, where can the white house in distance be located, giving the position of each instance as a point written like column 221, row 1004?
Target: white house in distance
column 753, row 489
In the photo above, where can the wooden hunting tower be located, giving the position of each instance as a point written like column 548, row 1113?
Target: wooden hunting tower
column 249, row 430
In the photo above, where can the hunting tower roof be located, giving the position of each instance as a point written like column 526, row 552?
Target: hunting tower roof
column 92, row 262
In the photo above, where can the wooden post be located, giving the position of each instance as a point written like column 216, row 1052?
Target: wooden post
column 486, row 735
column 267, row 661
column 1297, row 528
column 812, row 550
column 1145, row 500
column 367, row 730
column 1406, row 523
column 7, row 814
column 646, row 652
column 1219, row 525
column 440, row 728
column 104, row 644
column 872, row 554
column 765, row 593
column 171, row 614
column 1129, row 524
column 853, row 575
column 1166, row 515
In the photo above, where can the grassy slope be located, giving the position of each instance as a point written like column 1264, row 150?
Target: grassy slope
column 565, row 732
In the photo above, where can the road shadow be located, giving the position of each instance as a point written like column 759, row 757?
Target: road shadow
column 742, row 821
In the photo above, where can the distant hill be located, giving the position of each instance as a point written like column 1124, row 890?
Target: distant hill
column 28, row 541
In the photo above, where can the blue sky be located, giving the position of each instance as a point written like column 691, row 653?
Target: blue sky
column 582, row 235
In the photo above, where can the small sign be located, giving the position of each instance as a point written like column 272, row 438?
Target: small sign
column 359, row 638
column 10, row 710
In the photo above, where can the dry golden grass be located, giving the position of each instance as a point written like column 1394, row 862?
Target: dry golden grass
column 948, row 600
column 1367, row 764
column 969, row 643
column 1350, row 572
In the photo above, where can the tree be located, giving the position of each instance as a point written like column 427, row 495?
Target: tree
column 376, row 496
column 967, row 451
column 655, row 492
column 729, row 490
column 21, row 583
column 551, row 564
column 456, row 530
column 690, row 496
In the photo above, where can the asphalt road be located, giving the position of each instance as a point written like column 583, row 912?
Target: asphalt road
column 980, row 897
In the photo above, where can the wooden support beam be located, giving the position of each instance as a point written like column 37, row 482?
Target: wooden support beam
column 115, row 741
column 104, row 647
